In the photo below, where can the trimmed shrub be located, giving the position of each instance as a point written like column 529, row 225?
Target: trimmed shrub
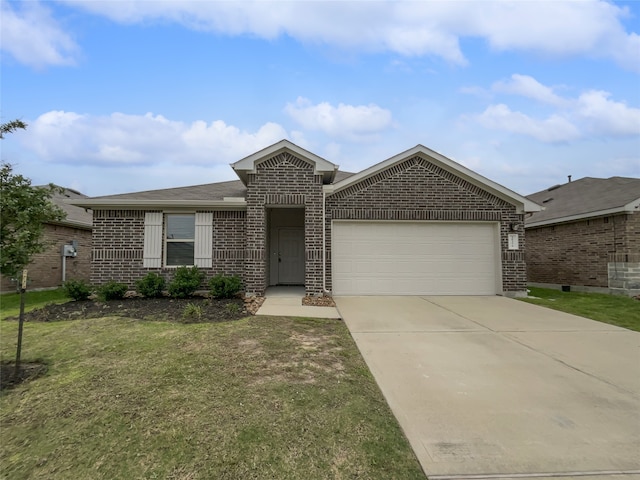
column 223, row 286
column 185, row 282
column 77, row 289
column 112, row 290
column 151, row 285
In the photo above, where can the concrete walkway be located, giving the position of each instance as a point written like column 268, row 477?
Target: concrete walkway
column 497, row 388
column 287, row 302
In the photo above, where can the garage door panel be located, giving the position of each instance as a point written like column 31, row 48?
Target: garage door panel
column 379, row 258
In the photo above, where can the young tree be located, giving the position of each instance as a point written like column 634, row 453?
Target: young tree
column 11, row 127
column 23, row 211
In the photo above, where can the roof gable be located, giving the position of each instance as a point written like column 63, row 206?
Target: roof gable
column 522, row 203
column 248, row 164
column 585, row 198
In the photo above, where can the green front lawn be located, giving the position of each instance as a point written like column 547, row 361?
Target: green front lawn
column 263, row 397
column 613, row 309
column 10, row 302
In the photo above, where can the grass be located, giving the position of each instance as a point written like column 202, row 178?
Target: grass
column 612, row 309
column 10, row 302
column 263, row 397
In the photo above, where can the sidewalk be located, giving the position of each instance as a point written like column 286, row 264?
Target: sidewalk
column 287, row 302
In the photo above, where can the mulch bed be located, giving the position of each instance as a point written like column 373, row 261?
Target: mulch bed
column 159, row 309
column 27, row 371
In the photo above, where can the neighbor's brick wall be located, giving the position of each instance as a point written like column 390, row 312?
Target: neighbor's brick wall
column 118, row 247
column 419, row 190
column 45, row 271
column 283, row 180
column 631, row 240
column 578, row 253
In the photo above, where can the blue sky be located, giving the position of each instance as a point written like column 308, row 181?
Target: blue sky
column 122, row 96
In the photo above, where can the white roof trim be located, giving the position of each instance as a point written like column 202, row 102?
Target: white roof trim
column 523, row 204
column 248, row 164
column 131, row 204
column 73, row 224
column 631, row 207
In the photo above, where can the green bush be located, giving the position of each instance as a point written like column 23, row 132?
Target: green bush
column 185, row 281
column 151, row 285
column 77, row 289
column 112, row 290
column 222, row 286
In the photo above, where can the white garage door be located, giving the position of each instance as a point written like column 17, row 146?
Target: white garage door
column 414, row 258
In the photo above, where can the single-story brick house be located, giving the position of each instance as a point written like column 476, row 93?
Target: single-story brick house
column 46, row 268
column 588, row 236
column 417, row 223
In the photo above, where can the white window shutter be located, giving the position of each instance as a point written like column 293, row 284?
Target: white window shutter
column 203, row 248
column 152, row 256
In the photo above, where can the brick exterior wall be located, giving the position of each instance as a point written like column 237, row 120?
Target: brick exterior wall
column 419, row 190
column 45, row 271
column 411, row 190
column 283, row 181
column 578, row 253
column 118, row 246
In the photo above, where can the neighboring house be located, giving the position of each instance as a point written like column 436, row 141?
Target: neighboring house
column 46, row 269
column 588, row 236
column 417, row 223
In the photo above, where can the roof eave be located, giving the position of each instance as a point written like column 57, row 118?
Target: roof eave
column 73, row 224
column 133, row 204
column 629, row 208
column 523, row 204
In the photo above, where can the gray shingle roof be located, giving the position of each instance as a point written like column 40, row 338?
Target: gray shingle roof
column 76, row 216
column 585, row 197
column 208, row 191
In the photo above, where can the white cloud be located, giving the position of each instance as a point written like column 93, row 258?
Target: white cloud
column 121, row 139
column 552, row 129
column 33, row 37
column 360, row 122
column 529, row 87
column 593, row 113
column 561, row 28
column 606, row 117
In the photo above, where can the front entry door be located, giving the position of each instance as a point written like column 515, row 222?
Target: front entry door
column 291, row 256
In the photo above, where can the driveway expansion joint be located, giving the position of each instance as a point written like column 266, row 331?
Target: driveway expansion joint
column 489, row 476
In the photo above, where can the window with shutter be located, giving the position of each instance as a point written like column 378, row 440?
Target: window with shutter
column 187, row 239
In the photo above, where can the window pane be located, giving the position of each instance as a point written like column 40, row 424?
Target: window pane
column 181, row 226
column 179, row 253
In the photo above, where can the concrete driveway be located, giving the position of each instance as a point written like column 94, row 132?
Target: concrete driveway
column 495, row 387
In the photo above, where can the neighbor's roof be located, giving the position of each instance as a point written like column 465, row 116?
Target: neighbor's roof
column 76, row 216
column 585, row 198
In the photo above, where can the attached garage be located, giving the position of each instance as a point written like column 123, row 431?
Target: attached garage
column 415, row 258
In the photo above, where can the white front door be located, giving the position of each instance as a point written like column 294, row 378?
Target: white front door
column 291, row 256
